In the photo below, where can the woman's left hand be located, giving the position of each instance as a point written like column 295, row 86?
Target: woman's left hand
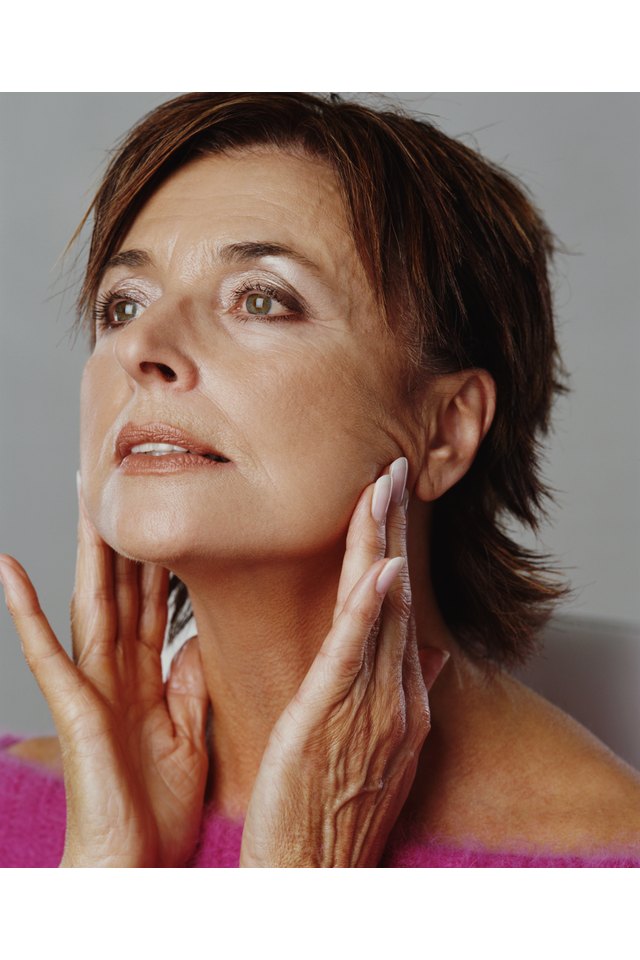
column 342, row 757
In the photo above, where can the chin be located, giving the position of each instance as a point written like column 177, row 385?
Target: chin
column 176, row 539
column 157, row 543
column 144, row 552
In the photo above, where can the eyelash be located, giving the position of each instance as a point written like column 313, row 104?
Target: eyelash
column 104, row 303
column 274, row 294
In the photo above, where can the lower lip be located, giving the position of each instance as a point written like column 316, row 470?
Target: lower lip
column 167, row 463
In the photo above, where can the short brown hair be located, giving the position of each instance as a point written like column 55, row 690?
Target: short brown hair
column 457, row 246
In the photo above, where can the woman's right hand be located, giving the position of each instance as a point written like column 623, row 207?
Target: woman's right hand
column 133, row 748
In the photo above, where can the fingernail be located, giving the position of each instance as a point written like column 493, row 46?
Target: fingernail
column 389, row 574
column 381, row 498
column 399, row 470
column 405, row 501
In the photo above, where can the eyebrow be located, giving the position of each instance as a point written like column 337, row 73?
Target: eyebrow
column 241, row 252
column 249, row 250
column 128, row 258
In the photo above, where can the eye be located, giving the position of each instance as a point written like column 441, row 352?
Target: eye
column 259, row 304
column 125, row 310
column 257, row 300
column 115, row 310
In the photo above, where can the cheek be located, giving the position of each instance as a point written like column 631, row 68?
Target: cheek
column 315, row 430
column 89, row 408
column 309, row 433
column 313, row 407
column 100, row 404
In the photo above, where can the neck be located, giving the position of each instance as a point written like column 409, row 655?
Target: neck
column 260, row 628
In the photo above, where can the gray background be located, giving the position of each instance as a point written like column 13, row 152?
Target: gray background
column 578, row 153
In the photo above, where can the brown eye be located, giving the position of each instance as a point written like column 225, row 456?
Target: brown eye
column 259, row 304
column 125, row 310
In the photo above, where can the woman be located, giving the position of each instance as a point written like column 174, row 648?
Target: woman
column 342, row 319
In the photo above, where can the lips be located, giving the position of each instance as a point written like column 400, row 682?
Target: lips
column 131, row 435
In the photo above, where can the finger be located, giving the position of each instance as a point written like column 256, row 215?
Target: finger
column 417, row 715
column 147, row 646
column 93, row 610
column 187, row 694
column 390, row 649
column 342, row 654
column 416, row 691
column 154, row 610
column 126, row 593
column 396, row 531
column 420, row 669
column 366, row 541
column 55, row 673
column 366, row 537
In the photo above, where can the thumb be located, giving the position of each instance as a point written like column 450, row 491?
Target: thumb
column 432, row 661
column 56, row 674
column 186, row 692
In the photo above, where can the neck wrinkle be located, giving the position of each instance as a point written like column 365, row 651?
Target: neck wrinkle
column 259, row 632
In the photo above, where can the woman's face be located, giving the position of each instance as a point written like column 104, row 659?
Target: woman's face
column 275, row 359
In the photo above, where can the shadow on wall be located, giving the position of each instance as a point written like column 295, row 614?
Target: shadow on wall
column 590, row 668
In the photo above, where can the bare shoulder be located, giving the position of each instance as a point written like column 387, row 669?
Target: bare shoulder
column 592, row 793
column 524, row 773
column 42, row 751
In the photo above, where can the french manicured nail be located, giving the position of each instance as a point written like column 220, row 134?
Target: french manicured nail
column 388, row 575
column 381, row 498
column 399, row 470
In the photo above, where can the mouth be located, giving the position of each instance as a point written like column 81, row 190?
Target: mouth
column 162, row 442
column 165, row 449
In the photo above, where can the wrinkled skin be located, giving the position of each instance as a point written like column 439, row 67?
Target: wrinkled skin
column 319, row 751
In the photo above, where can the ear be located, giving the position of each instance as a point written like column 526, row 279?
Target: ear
column 457, row 413
column 432, row 660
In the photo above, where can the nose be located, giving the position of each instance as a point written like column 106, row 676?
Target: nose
column 153, row 350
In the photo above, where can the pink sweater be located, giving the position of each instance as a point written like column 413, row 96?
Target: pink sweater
column 33, row 817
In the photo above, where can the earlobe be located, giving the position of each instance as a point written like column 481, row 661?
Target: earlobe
column 458, row 414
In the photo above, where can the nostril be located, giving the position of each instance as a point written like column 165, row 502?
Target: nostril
column 166, row 371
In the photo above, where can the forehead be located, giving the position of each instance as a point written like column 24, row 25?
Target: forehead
column 257, row 194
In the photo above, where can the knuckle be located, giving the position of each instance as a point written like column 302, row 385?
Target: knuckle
column 27, row 616
column 390, row 717
column 125, row 580
column 371, row 540
column 396, row 728
column 362, row 613
column 400, row 602
column 36, row 661
column 98, row 594
column 396, row 524
column 349, row 661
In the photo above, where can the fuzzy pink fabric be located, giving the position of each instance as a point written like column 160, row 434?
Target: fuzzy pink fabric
column 33, row 818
